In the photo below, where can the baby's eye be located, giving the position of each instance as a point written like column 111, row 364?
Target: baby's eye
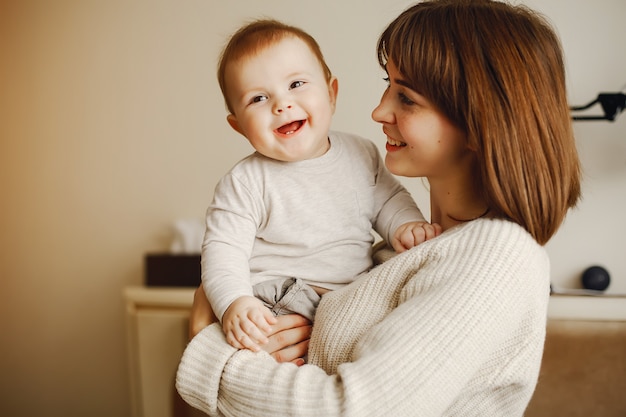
column 258, row 99
column 296, row 84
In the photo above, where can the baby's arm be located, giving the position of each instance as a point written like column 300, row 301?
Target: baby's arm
column 412, row 234
column 247, row 322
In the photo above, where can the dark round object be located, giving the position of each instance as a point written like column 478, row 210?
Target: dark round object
column 596, row 278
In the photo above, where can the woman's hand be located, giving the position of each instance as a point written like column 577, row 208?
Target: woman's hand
column 288, row 340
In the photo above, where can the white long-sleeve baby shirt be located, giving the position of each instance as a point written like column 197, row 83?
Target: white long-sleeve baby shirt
column 310, row 219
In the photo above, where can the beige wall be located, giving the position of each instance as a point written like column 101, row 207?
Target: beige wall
column 112, row 127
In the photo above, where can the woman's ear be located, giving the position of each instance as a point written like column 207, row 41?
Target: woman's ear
column 333, row 89
column 232, row 121
column 470, row 144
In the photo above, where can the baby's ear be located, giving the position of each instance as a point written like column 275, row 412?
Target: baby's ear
column 232, row 121
column 333, row 89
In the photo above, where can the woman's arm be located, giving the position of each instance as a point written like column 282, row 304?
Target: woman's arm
column 271, row 391
column 201, row 313
column 467, row 332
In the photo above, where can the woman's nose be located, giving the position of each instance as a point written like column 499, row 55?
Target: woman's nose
column 382, row 113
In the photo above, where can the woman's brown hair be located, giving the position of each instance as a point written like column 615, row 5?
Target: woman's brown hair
column 497, row 72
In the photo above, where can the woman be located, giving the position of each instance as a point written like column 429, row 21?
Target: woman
column 476, row 103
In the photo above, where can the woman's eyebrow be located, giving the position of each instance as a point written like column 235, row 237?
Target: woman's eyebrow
column 404, row 83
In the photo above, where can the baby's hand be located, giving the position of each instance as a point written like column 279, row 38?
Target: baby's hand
column 412, row 234
column 246, row 323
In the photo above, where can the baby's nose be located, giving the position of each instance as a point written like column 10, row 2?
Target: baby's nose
column 280, row 107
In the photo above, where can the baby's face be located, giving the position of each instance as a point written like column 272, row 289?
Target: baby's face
column 282, row 102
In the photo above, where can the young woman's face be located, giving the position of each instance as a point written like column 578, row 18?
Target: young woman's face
column 421, row 141
column 282, row 102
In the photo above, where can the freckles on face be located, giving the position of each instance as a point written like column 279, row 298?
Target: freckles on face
column 421, row 142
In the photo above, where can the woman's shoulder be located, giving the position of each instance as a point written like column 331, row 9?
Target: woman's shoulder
column 494, row 250
column 496, row 239
column 482, row 247
column 488, row 232
column 481, row 235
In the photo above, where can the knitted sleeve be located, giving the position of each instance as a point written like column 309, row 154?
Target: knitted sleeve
column 251, row 384
column 451, row 327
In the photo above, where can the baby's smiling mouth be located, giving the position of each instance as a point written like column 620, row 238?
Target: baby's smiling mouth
column 290, row 128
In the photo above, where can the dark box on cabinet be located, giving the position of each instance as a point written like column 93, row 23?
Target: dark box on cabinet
column 169, row 270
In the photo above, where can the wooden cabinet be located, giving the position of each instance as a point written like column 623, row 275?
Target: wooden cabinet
column 584, row 361
column 583, row 372
column 157, row 323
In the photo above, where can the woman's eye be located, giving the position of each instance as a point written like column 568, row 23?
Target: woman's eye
column 405, row 100
column 386, row 79
column 296, row 84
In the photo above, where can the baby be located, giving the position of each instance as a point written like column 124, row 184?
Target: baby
column 294, row 219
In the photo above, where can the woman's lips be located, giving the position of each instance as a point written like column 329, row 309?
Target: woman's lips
column 394, row 145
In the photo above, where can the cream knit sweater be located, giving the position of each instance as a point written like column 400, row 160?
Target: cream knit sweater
column 453, row 327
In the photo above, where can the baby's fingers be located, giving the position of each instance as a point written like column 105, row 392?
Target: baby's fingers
column 429, row 231
column 403, row 240
column 263, row 319
column 233, row 340
column 412, row 237
column 246, row 340
column 254, row 333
